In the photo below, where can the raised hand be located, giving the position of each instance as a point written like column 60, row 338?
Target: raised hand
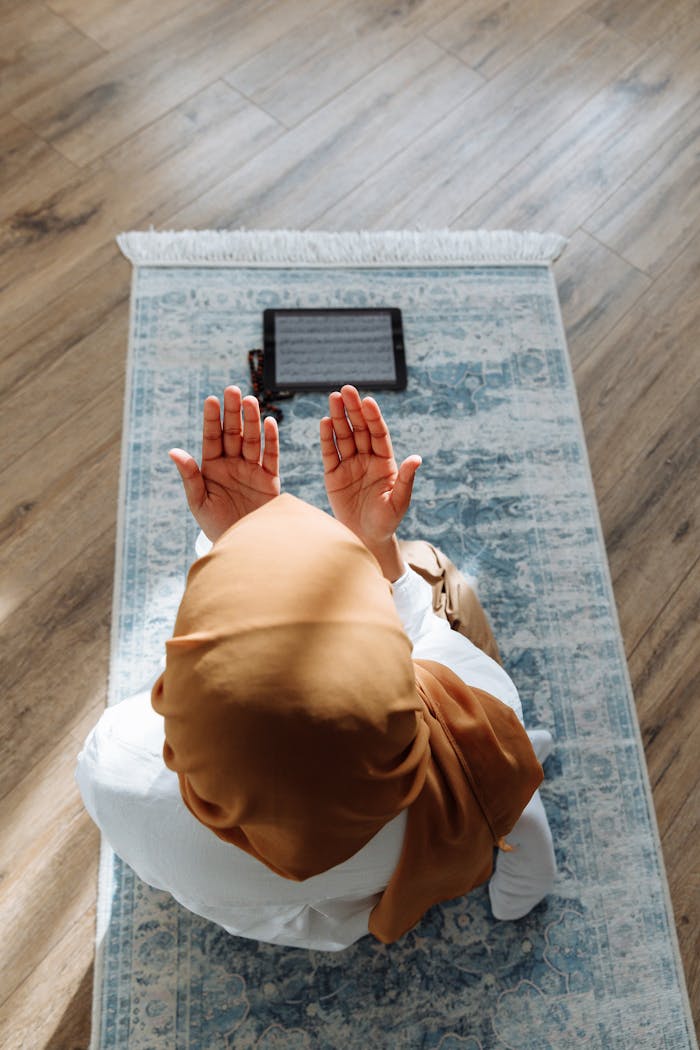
column 367, row 491
column 233, row 479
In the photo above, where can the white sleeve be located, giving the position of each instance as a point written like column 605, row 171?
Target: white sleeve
column 203, row 545
column 433, row 639
column 414, row 604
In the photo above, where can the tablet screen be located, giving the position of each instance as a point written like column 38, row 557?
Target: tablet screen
column 321, row 349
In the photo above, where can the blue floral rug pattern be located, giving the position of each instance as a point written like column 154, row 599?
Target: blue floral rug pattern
column 505, row 491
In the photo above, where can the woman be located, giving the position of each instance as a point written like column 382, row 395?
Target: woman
column 323, row 755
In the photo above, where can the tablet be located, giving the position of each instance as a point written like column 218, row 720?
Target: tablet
column 323, row 349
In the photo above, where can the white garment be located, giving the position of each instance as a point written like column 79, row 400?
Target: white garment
column 135, row 800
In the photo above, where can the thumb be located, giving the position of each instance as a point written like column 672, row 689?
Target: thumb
column 191, row 476
column 403, row 487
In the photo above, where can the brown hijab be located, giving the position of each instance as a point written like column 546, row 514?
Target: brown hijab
column 299, row 725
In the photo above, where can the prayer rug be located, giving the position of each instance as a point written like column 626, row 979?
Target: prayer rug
column 505, row 491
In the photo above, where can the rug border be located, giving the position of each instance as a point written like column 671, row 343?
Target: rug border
column 634, row 719
column 245, row 248
column 322, row 248
column 105, row 876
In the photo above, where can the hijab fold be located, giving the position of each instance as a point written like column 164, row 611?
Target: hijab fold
column 299, row 725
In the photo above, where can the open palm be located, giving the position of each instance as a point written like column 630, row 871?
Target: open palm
column 366, row 490
column 233, row 479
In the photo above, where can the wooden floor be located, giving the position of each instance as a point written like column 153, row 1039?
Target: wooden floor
column 580, row 116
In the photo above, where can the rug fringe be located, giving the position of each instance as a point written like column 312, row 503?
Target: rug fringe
column 321, row 248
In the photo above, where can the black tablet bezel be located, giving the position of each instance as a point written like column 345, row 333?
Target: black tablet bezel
column 269, row 360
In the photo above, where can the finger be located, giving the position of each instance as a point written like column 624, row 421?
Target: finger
column 329, row 452
column 251, row 429
column 271, row 455
column 233, row 428
column 343, row 432
column 403, row 487
column 211, row 430
column 379, row 431
column 353, row 407
column 192, row 480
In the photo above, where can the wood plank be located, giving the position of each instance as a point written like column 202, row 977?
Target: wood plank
column 648, row 22
column 115, row 25
column 488, row 36
column 51, row 1008
column 55, row 326
column 666, row 655
column 31, row 816
column 52, row 886
column 59, row 394
column 631, row 385
column 104, row 103
column 655, row 214
column 679, row 844
column 457, row 159
column 39, row 50
column 680, row 754
column 193, row 147
column 62, row 627
column 29, row 165
column 665, row 677
column 680, row 33
column 679, row 837
column 42, row 537
column 330, row 52
column 596, row 289
column 324, row 157
column 163, row 167
column 50, row 227
column 32, row 482
column 581, row 164
column 47, row 794
column 651, row 516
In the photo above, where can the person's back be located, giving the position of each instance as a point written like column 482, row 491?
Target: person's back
column 323, row 755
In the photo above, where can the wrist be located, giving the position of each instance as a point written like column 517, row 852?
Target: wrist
column 388, row 555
